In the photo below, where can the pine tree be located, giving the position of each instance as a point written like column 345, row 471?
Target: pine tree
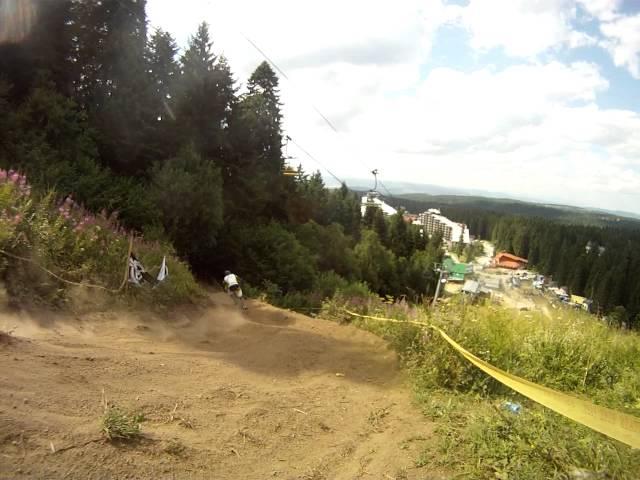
column 344, row 208
column 257, row 142
column 163, row 72
column 161, row 139
column 380, row 226
column 399, row 238
column 312, row 194
column 206, row 96
column 111, row 83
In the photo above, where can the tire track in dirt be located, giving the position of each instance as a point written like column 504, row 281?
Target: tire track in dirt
column 224, row 394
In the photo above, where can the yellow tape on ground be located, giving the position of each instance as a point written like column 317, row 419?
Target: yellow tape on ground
column 620, row 426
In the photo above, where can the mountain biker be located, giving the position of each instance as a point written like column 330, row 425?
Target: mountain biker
column 232, row 287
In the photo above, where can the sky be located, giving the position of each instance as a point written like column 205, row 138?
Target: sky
column 534, row 99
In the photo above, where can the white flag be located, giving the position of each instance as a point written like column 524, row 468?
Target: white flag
column 164, row 270
column 136, row 270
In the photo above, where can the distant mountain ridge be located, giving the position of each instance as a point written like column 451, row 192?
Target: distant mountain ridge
column 484, row 199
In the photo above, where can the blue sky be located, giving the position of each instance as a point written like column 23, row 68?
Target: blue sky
column 536, row 99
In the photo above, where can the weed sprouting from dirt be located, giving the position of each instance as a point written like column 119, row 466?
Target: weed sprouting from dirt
column 175, row 447
column 376, row 416
column 316, row 473
column 401, row 474
column 119, row 425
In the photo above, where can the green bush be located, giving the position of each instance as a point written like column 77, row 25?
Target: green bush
column 271, row 253
column 187, row 191
column 118, row 425
column 332, row 249
column 325, row 286
column 75, row 245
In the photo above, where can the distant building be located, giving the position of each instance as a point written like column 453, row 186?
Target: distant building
column 372, row 199
column 560, row 293
column 456, row 271
column 538, row 282
column 507, row 260
column 474, row 289
column 591, row 245
column 434, row 222
column 580, row 302
column 492, row 283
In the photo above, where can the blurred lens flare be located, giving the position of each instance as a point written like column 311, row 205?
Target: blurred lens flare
column 16, row 19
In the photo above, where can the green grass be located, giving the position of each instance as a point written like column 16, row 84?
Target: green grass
column 572, row 352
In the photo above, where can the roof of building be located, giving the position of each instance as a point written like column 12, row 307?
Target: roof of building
column 509, row 264
column 371, row 200
column 456, row 271
column 471, row 286
column 493, row 283
column 509, row 256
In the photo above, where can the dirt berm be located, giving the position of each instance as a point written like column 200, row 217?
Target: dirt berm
column 225, row 394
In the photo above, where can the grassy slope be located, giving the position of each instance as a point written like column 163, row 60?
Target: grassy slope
column 572, row 352
column 40, row 232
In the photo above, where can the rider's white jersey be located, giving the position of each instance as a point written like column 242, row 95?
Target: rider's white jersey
column 230, row 280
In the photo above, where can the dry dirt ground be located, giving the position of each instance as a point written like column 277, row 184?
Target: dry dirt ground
column 226, row 395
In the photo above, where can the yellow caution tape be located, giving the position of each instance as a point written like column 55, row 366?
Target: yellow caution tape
column 620, row 426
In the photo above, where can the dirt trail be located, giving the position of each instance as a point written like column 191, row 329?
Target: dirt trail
column 226, row 395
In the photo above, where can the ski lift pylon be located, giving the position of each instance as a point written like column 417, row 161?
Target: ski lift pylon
column 375, row 177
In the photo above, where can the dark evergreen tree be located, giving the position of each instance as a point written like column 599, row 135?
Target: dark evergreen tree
column 343, row 207
column 399, row 237
column 162, row 138
column 257, row 141
column 205, row 96
column 110, row 38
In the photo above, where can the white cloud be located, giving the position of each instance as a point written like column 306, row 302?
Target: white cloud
column 460, row 109
column 622, row 40
column 305, row 34
column 529, row 129
column 603, row 10
column 527, row 29
column 621, row 32
column 533, row 129
column 523, row 28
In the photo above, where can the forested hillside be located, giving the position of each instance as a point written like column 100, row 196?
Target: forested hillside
column 600, row 262
column 417, row 202
column 94, row 105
